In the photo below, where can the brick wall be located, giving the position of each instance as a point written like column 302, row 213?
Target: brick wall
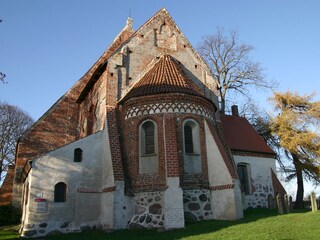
column 170, row 143
column 6, row 188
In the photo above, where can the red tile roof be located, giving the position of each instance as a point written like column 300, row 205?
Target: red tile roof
column 241, row 136
column 166, row 76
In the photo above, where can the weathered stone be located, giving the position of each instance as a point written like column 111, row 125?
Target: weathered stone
column 42, row 231
column 142, row 218
column 263, row 195
column 207, row 207
column 134, row 225
column 43, row 225
column 55, row 232
column 155, row 209
column 150, row 200
column 148, row 219
column 65, row 225
column 203, row 198
column 135, row 218
column 29, row 233
column 185, row 200
column 139, row 210
column 194, row 199
column 189, row 217
column 201, row 218
column 85, row 228
column 157, row 198
column 194, row 206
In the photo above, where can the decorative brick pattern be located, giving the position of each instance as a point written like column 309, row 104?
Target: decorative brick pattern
column 222, row 187
column 170, row 107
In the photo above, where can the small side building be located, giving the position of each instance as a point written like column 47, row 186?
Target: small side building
column 255, row 162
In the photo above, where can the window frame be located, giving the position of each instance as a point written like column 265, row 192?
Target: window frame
column 246, row 187
column 77, row 155
column 148, row 162
column 195, row 134
column 56, row 193
column 142, row 139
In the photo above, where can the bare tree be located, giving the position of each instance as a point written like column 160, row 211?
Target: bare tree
column 231, row 65
column 13, row 122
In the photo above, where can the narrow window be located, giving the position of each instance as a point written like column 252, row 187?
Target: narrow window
column 188, row 139
column 244, row 177
column 191, row 137
column 60, row 192
column 77, row 155
column 191, row 147
column 148, row 159
column 148, row 142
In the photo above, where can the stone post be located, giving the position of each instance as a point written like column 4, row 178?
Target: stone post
column 270, row 202
column 285, row 207
column 279, row 203
column 290, row 204
column 313, row 202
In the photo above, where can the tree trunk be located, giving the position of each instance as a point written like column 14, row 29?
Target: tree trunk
column 300, row 191
column 223, row 105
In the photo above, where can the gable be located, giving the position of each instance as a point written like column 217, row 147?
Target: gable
column 241, row 136
column 159, row 35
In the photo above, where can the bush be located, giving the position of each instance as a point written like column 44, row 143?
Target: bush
column 9, row 215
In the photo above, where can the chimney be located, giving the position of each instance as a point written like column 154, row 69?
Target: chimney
column 234, row 110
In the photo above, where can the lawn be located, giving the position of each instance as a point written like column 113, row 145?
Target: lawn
column 257, row 224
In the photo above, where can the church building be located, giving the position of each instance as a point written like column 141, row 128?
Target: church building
column 139, row 141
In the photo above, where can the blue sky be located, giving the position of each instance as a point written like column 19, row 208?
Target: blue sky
column 46, row 46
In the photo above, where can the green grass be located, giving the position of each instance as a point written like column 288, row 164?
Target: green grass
column 9, row 232
column 257, row 224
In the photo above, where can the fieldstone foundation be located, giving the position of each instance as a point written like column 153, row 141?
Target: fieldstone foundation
column 197, row 205
column 148, row 211
column 260, row 193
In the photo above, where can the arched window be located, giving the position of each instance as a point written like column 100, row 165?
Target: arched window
column 148, row 159
column 147, row 134
column 60, row 192
column 188, row 139
column 244, row 177
column 77, row 157
column 191, row 147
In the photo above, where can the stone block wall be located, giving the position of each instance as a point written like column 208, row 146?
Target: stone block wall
column 148, row 210
column 197, row 205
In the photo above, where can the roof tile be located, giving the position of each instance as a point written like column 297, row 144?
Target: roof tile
column 166, row 76
column 242, row 136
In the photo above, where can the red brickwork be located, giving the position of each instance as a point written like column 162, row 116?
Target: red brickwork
column 130, row 135
column 171, row 148
column 198, row 180
column 170, row 142
column 6, row 188
column 222, row 187
column 253, row 154
column 114, row 143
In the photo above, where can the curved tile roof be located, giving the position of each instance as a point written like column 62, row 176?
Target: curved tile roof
column 166, row 76
column 241, row 136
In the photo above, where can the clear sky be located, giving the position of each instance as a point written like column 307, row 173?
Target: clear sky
column 46, row 46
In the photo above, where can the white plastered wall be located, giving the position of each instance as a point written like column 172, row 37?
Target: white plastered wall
column 261, row 180
column 225, row 203
column 85, row 181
